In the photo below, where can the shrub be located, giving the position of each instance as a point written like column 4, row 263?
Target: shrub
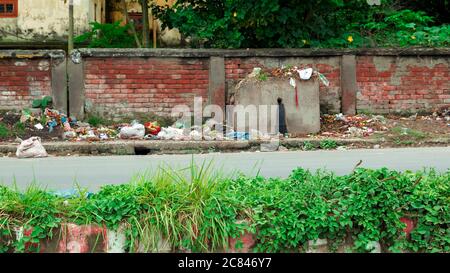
column 198, row 209
column 107, row 36
column 4, row 131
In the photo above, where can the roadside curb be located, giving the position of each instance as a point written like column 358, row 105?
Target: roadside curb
column 143, row 147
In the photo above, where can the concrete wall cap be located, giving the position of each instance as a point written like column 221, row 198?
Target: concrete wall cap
column 263, row 52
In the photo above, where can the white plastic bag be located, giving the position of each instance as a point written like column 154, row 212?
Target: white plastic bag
column 171, row 133
column 135, row 131
column 305, row 74
column 31, row 147
column 195, row 135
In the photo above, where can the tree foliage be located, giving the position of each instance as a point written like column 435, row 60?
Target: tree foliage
column 311, row 23
column 107, row 36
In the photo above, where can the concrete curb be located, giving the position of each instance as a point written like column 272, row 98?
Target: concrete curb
column 92, row 238
column 143, row 147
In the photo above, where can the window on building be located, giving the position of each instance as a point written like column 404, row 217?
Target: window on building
column 8, row 8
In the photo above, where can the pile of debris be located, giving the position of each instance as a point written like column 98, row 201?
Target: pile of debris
column 347, row 126
column 291, row 73
column 53, row 123
column 56, row 123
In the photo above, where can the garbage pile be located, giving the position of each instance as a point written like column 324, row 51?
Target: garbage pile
column 340, row 125
column 287, row 72
column 53, row 122
column 208, row 132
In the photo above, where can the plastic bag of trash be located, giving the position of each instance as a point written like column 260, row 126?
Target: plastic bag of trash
column 239, row 135
column 195, row 135
column 72, row 193
column 69, row 135
column 170, row 133
column 31, row 147
column 136, row 130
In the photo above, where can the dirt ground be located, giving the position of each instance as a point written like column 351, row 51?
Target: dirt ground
column 11, row 128
column 395, row 130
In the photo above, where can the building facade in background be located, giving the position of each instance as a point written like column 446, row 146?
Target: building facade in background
column 46, row 22
column 32, row 21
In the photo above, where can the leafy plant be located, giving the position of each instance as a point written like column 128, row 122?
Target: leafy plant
column 42, row 103
column 308, row 146
column 263, row 76
column 328, row 144
column 96, row 121
column 4, row 131
column 107, row 36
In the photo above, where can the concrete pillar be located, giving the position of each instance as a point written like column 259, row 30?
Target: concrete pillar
column 348, row 84
column 216, row 91
column 75, row 73
column 59, row 83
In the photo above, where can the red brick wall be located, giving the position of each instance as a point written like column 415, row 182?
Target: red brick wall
column 121, row 86
column 237, row 69
column 401, row 84
column 22, row 80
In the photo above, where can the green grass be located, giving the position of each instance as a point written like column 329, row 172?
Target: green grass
column 96, row 121
column 4, row 131
column 415, row 134
column 19, row 129
column 406, row 136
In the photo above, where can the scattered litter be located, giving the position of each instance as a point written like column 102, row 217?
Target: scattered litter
column 353, row 125
column 195, row 135
column 291, row 73
column 72, row 193
column 341, row 116
column 322, row 78
column 69, row 135
column 171, row 133
column 31, row 148
column 103, row 136
column 282, row 149
column 39, row 126
column 292, row 82
column 239, row 135
column 305, row 74
column 152, row 128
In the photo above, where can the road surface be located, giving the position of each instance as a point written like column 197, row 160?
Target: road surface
column 59, row 173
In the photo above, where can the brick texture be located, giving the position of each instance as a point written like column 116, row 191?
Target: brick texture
column 23, row 80
column 121, row 86
column 406, row 84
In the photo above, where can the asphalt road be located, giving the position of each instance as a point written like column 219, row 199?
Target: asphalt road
column 61, row 173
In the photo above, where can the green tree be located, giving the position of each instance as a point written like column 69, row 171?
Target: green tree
column 288, row 23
